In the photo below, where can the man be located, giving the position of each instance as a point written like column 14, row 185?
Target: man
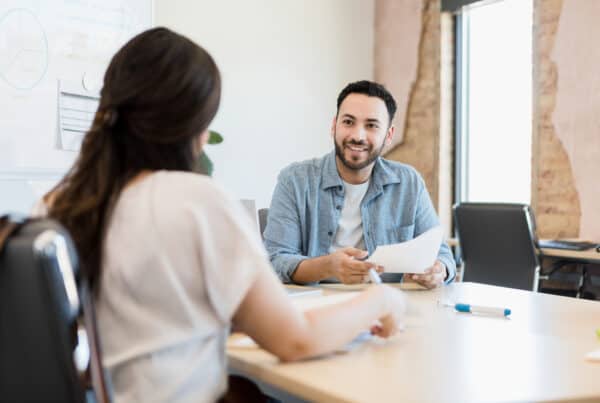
column 325, row 212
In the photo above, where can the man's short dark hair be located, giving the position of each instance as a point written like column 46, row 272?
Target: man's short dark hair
column 370, row 89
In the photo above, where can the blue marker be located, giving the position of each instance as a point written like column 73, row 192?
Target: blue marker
column 482, row 310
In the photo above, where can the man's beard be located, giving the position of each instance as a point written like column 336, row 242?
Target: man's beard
column 356, row 166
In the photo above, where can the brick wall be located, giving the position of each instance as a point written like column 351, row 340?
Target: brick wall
column 555, row 199
column 420, row 132
column 566, row 114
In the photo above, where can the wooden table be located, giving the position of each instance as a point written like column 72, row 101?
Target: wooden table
column 575, row 256
column 445, row 356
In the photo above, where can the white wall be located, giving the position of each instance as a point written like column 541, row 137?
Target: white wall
column 283, row 63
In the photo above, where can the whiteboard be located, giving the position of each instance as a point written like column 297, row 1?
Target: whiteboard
column 45, row 44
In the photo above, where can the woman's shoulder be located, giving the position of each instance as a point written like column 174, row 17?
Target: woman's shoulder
column 186, row 185
column 179, row 178
column 183, row 193
column 184, row 200
column 174, row 203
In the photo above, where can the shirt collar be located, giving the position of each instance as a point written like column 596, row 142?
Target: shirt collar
column 331, row 177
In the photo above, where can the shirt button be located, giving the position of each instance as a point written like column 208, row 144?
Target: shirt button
column 330, row 233
column 338, row 207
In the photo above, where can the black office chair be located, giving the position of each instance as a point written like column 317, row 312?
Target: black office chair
column 40, row 302
column 498, row 244
column 263, row 213
column 590, row 288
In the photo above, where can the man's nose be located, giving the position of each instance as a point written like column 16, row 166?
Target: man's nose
column 359, row 134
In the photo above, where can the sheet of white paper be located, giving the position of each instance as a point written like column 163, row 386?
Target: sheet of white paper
column 311, row 302
column 414, row 256
column 76, row 111
column 319, row 301
column 303, row 291
column 364, row 286
column 593, row 356
column 246, row 342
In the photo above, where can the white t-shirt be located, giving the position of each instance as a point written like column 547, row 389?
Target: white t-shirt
column 179, row 257
column 350, row 229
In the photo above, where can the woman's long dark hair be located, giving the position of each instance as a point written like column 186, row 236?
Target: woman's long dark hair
column 160, row 92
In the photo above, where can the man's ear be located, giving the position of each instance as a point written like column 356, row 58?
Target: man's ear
column 390, row 135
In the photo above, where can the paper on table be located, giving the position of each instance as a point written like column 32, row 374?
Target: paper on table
column 593, row 356
column 306, row 303
column 311, row 302
column 364, row 286
column 240, row 341
column 414, row 256
column 301, row 291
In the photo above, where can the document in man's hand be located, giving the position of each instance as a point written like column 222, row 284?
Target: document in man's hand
column 413, row 256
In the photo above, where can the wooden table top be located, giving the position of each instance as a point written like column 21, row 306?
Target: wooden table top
column 445, row 356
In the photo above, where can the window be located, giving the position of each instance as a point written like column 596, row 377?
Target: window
column 494, row 102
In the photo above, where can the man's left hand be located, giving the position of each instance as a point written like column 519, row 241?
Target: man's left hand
column 431, row 278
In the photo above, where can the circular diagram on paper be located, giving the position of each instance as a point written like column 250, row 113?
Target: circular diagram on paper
column 23, row 49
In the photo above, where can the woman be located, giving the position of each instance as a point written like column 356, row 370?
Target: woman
column 172, row 259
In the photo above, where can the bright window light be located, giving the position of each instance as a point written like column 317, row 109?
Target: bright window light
column 498, row 120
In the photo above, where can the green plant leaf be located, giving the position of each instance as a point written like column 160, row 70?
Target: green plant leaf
column 204, row 165
column 214, row 137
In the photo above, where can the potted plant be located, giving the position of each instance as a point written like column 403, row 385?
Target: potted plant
column 203, row 164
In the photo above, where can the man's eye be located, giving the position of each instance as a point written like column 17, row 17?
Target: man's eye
column 347, row 122
column 372, row 126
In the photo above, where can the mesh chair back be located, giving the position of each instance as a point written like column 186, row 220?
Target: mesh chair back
column 263, row 213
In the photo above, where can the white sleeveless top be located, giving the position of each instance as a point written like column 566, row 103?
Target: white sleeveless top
column 179, row 257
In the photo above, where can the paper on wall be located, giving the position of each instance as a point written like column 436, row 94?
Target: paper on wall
column 413, row 256
column 76, row 110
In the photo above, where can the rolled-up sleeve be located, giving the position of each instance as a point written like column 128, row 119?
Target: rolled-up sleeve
column 283, row 233
column 426, row 218
column 445, row 256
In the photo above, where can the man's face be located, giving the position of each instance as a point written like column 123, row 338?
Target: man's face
column 360, row 130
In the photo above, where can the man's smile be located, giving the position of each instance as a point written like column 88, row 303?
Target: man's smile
column 357, row 147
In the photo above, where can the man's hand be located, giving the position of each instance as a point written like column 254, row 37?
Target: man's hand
column 431, row 278
column 346, row 265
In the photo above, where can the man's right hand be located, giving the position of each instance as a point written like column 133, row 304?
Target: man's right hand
column 346, row 265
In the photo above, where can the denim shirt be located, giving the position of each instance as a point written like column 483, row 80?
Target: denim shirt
column 307, row 203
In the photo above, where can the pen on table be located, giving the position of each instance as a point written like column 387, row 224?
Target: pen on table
column 479, row 309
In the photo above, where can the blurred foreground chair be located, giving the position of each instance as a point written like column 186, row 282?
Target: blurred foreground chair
column 44, row 353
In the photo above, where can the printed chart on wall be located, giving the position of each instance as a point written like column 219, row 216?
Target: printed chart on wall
column 53, row 54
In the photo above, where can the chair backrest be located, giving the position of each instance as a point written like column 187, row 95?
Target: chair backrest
column 39, row 307
column 250, row 206
column 497, row 241
column 263, row 213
